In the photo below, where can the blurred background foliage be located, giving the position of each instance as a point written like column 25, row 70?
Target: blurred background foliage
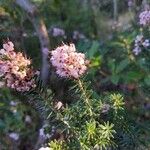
column 104, row 30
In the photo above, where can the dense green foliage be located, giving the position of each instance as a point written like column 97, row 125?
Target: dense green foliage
column 93, row 114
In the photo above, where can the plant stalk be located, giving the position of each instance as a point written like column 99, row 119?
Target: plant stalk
column 85, row 97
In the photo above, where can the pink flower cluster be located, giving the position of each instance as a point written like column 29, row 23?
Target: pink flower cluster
column 68, row 62
column 145, row 18
column 139, row 43
column 15, row 70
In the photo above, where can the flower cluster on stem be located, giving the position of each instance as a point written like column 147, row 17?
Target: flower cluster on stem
column 140, row 42
column 145, row 18
column 15, row 69
column 71, row 64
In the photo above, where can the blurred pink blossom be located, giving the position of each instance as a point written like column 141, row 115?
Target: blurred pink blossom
column 77, row 35
column 14, row 136
column 145, row 18
column 130, row 3
column 140, row 42
column 58, row 32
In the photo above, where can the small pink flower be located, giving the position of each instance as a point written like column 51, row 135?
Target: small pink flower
column 59, row 105
column 58, row 32
column 2, row 52
column 9, row 46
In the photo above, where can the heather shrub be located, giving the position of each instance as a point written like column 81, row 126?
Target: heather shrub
column 96, row 96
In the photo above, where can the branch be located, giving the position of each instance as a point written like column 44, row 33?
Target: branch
column 42, row 33
column 115, row 11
